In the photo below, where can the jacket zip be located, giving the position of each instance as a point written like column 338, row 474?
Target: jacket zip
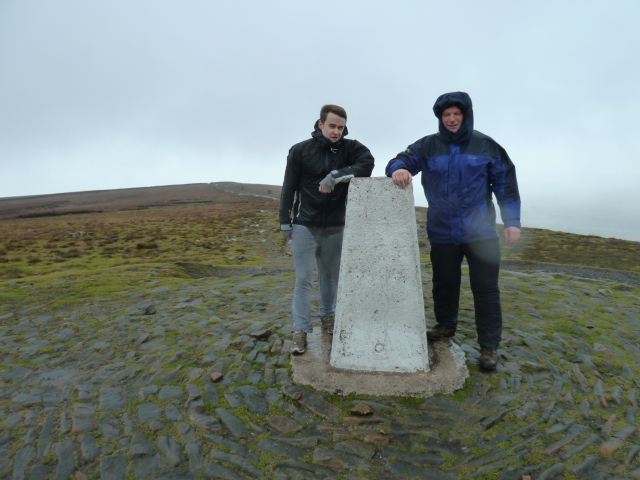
column 327, row 166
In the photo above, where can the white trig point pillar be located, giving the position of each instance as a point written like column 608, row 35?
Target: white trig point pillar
column 380, row 323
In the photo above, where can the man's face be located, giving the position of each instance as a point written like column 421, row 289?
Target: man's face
column 452, row 118
column 333, row 126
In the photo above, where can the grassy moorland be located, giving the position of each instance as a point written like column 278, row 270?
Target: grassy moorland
column 540, row 246
column 85, row 244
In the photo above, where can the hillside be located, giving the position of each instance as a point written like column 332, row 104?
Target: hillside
column 49, row 233
column 101, row 201
column 144, row 333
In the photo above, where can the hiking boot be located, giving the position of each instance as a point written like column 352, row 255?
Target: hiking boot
column 440, row 332
column 488, row 358
column 327, row 323
column 299, row 342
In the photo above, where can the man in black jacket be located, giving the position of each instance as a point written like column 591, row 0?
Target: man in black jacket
column 312, row 213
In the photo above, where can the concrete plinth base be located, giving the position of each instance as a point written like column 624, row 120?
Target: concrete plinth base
column 448, row 372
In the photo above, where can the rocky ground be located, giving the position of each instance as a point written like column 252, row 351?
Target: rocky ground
column 193, row 381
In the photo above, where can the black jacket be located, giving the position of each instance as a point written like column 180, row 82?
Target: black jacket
column 308, row 163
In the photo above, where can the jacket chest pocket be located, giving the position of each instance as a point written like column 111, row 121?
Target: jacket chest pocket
column 437, row 175
column 475, row 168
column 475, row 178
column 337, row 160
column 322, row 163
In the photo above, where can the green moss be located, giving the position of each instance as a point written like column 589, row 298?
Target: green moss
column 410, row 401
column 537, row 456
column 462, row 394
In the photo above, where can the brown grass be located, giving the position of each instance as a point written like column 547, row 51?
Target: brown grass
column 218, row 223
column 196, row 223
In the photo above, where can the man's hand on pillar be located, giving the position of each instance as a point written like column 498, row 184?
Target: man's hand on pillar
column 402, row 177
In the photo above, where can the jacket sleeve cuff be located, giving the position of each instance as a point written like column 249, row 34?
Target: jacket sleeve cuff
column 343, row 178
column 513, row 224
column 396, row 165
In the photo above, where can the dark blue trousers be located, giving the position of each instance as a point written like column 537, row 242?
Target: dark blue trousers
column 484, row 269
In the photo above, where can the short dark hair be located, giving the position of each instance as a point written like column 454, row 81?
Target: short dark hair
column 324, row 111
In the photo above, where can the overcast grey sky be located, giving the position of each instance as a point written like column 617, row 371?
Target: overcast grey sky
column 114, row 94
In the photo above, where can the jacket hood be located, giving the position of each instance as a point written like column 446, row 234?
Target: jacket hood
column 461, row 100
column 318, row 135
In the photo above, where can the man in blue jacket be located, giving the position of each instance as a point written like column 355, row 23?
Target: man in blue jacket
column 461, row 170
column 312, row 214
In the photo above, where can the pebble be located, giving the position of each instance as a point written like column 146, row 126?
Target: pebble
column 234, row 425
column 283, row 424
column 238, row 461
column 113, row 467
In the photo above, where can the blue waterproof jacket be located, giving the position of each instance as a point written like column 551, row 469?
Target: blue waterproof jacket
column 460, row 173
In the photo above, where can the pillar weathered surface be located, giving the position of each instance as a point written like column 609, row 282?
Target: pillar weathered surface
column 380, row 323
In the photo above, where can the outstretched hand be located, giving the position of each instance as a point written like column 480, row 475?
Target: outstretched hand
column 511, row 235
column 402, row 178
column 327, row 183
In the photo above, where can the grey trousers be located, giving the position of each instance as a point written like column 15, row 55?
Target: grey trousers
column 311, row 246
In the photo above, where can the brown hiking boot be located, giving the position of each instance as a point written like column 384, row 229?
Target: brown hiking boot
column 440, row 332
column 299, row 345
column 488, row 358
column 327, row 323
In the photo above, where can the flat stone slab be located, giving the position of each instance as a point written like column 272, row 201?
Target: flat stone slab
column 448, row 372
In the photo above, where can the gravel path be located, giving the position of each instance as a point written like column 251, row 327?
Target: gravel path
column 581, row 272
